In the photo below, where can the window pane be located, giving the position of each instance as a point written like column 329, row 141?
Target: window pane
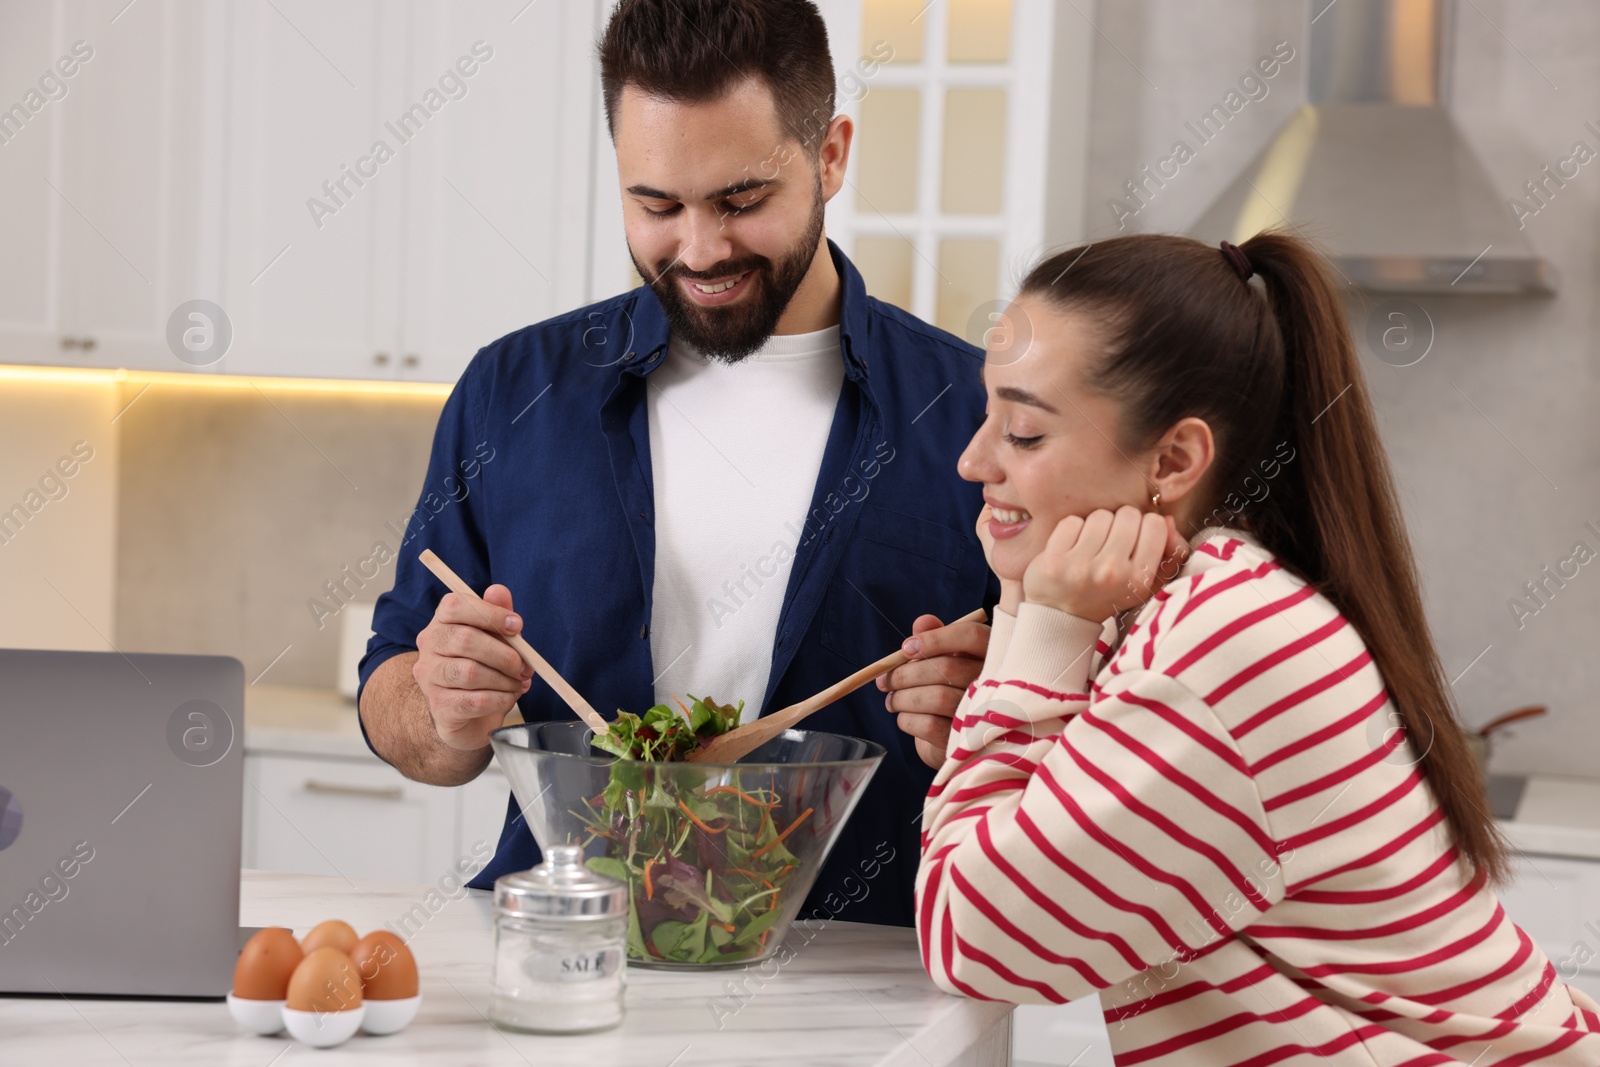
column 974, row 151
column 980, row 31
column 885, row 266
column 888, row 142
column 890, row 21
column 969, row 269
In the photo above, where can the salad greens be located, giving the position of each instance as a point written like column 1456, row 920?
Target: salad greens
column 663, row 734
column 704, row 857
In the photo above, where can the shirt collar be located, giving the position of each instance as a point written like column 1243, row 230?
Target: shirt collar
column 651, row 330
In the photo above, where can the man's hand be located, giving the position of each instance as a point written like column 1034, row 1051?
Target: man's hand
column 924, row 693
column 1102, row 564
column 470, row 677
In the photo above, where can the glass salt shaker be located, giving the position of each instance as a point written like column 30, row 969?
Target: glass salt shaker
column 559, row 942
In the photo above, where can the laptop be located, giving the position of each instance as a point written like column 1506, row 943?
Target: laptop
column 121, row 788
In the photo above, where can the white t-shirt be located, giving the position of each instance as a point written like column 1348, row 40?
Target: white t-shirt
column 734, row 455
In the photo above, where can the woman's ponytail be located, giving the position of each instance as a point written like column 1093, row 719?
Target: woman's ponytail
column 1337, row 519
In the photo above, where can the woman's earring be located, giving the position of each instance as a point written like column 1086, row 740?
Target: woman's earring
column 1155, row 500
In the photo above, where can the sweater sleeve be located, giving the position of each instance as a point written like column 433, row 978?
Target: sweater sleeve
column 1000, row 627
column 1000, row 631
column 1070, row 841
column 988, row 720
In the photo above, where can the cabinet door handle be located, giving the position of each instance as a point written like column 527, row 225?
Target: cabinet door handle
column 87, row 344
column 371, row 792
column 69, row 342
column 381, row 359
column 411, row 359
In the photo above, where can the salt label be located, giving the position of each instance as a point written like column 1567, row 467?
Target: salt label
column 591, row 966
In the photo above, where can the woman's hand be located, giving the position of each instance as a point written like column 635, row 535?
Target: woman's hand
column 1097, row 566
column 1010, row 590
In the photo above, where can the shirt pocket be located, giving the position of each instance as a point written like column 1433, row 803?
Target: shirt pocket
column 895, row 568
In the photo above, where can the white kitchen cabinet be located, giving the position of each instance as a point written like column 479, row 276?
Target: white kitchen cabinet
column 500, row 189
column 103, row 180
column 355, row 818
column 32, row 321
column 369, row 189
column 314, row 272
column 360, row 818
column 409, row 181
column 482, row 813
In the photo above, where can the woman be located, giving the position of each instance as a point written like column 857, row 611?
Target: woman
column 1216, row 777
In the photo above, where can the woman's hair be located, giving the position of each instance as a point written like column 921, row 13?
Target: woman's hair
column 692, row 51
column 1274, row 370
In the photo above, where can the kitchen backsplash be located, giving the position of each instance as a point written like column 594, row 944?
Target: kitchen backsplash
column 239, row 508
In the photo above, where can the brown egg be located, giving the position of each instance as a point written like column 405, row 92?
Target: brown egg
column 266, row 963
column 388, row 970
column 335, row 933
column 325, row 981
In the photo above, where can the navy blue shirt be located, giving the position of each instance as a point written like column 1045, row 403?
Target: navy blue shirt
column 540, row 480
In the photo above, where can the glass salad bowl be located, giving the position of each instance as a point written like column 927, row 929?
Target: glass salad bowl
column 718, row 857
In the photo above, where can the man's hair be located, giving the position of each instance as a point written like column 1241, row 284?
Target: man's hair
column 693, row 51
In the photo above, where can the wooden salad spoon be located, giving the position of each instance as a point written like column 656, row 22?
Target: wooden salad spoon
column 540, row 665
column 742, row 740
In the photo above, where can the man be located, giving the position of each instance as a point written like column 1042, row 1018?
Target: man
column 738, row 480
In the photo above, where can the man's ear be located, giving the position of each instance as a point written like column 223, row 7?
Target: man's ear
column 834, row 155
column 1181, row 459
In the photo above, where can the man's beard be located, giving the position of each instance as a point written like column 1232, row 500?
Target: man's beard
column 730, row 333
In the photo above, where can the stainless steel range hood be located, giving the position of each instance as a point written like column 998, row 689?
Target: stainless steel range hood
column 1375, row 170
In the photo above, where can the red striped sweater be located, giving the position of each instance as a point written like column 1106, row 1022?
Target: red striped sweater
column 1225, row 835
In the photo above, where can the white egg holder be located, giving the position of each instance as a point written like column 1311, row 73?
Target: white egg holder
column 390, row 1016
column 323, row 1029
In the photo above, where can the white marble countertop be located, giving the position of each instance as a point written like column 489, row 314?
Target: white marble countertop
column 852, row 994
column 302, row 722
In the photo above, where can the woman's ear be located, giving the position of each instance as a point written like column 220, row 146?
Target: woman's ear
column 1181, row 458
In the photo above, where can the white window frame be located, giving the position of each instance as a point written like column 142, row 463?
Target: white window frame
column 1026, row 77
